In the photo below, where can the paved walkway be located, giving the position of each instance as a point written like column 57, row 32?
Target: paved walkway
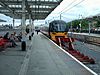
column 12, row 58
column 45, row 58
column 41, row 58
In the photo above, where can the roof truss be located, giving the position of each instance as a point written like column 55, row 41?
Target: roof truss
column 39, row 9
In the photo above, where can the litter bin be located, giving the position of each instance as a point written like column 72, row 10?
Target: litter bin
column 23, row 46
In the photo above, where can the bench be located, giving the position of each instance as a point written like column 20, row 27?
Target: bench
column 4, row 43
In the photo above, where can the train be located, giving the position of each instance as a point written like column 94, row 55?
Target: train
column 56, row 29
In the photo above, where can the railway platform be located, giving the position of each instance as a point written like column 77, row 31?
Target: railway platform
column 86, row 37
column 12, row 58
column 88, row 44
column 45, row 58
column 42, row 57
column 91, row 34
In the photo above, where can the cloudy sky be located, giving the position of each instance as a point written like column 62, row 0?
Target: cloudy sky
column 69, row 10
column 75, row 9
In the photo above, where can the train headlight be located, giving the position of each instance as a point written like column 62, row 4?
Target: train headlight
column 65, row 33
column 53, row 32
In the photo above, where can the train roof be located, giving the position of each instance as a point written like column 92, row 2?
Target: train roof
column 58, row 21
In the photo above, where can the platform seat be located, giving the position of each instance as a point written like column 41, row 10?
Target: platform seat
column 4, row 43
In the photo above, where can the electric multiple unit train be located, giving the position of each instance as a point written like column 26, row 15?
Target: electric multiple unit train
column 56, row 29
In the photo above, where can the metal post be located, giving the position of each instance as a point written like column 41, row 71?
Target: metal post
column 89, row 28
column 13, row 21
column 23, row 26
column 23, row 19
column 80, row 16
column 60, row 16
column 71, row 29
column 80, row 27
column 30, row 23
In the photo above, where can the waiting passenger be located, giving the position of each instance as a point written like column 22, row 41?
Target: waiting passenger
column 15, row 36
column 12, row 40
column 18, row 37
column 27, row 30
column 6, row 36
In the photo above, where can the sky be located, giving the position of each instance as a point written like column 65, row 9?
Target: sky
column 75, row 9
column 68, row 9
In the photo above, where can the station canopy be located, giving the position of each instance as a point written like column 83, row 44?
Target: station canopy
column 2, row 20
column 39, row 9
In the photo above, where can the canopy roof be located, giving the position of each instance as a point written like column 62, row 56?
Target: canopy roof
column 2, row 20
column 39, row 9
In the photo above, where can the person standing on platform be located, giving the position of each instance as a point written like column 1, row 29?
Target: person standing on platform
column 27, row 30
column 38, row 31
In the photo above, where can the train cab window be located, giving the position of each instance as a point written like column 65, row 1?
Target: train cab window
column 58, row 26
column 55, row 28
column 63, row 27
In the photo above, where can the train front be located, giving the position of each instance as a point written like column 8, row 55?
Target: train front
column 58, row 29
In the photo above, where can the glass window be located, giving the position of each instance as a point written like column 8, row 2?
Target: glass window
column 58, row 26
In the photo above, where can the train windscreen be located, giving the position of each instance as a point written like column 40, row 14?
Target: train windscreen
column 58, row 27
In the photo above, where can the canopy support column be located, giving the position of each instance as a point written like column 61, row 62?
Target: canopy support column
column 30, row 22
column 23, row 20
column 13, row 21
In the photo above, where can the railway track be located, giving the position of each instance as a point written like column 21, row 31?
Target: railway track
column 85, row 57
column 91, row 51
column 90, row 39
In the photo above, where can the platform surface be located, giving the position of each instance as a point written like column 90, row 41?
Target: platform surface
column 12, row 58
column 87, row 34
column 45, row 58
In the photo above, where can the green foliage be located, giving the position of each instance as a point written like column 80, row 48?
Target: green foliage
column 76, row 23
column 84, row 23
